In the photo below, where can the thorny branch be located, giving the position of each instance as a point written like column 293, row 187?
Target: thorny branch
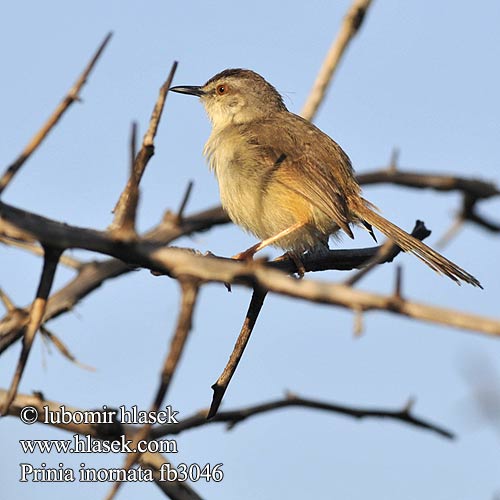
column 234, row 417
column 91, row 275
column 50, row 261
column 229, row 417
column 176, row 490
column 189, row 295
column 68, row 100
column 123, row 225
column 175, row 262
column 350, row 26
column 129, row 250
column 222, row 383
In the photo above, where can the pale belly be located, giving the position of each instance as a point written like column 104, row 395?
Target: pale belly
column 256, row 210
column 265, row 209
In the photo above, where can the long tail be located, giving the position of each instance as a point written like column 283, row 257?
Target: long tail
column 410, row 244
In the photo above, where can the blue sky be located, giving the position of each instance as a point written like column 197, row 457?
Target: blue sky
column 422, row 77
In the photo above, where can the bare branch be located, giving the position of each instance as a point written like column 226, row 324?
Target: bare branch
column 398, row 283
column 350, row 26
column 7, row 302
column 234, row 417
column 383, row 254
column 394, row 160
column 231, row 418
column 123, row 226
column 476, row 188
column 177, row 262
column 68, row 100
column 223, row 381
column 94, row 274
column 50, row 261
column 91, row 275
column 126, row 200
column 36, row 249
column 190, row 290
column 185, row 199
column 473, row 190
column 61, row 347
column 176, row 490
column 469, row 213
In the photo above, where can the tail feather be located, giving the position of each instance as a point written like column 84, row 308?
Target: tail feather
column 412, row 245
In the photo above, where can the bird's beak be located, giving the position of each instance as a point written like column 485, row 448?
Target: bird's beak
column 191, row 90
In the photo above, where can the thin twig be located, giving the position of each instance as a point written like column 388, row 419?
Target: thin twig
column 189, row 290
column 234, row 417
column 36, row 249
column 71, row 97
column 222, row 383
column 350, row 26
column 185, row 199
column 7, row 302
column 146, row 152
column 394, row 160
column 133, row 145
column 61, row 347
column 398, row 283
column 450, row 233
column 50, row 261
column 469, row 213
column 384, row 252
column 123, row 226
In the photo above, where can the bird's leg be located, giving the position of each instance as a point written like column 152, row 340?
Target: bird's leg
column 301, row 270
column 250, row 252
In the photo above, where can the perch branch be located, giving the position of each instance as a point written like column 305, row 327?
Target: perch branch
column 95, row 273
column 183, row 262
column 92, row 275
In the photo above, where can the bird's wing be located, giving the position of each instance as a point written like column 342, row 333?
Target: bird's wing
column 306, row 161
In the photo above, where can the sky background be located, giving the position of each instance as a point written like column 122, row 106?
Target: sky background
column 421, row 76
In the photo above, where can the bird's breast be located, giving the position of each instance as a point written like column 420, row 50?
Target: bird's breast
column 240, row 191
column 257, row 194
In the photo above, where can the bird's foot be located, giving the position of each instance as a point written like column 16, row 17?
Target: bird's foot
column 301, row 270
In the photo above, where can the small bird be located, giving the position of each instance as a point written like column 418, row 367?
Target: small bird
column 283, row 179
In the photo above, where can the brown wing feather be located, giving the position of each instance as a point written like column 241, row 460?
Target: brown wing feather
column 309, row 164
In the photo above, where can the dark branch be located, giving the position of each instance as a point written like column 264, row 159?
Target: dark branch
column 222, row 383
column 475, row 187
column 37, row 310
column 234, row 417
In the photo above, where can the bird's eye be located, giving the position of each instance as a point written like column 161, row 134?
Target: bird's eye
column 222, row 89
